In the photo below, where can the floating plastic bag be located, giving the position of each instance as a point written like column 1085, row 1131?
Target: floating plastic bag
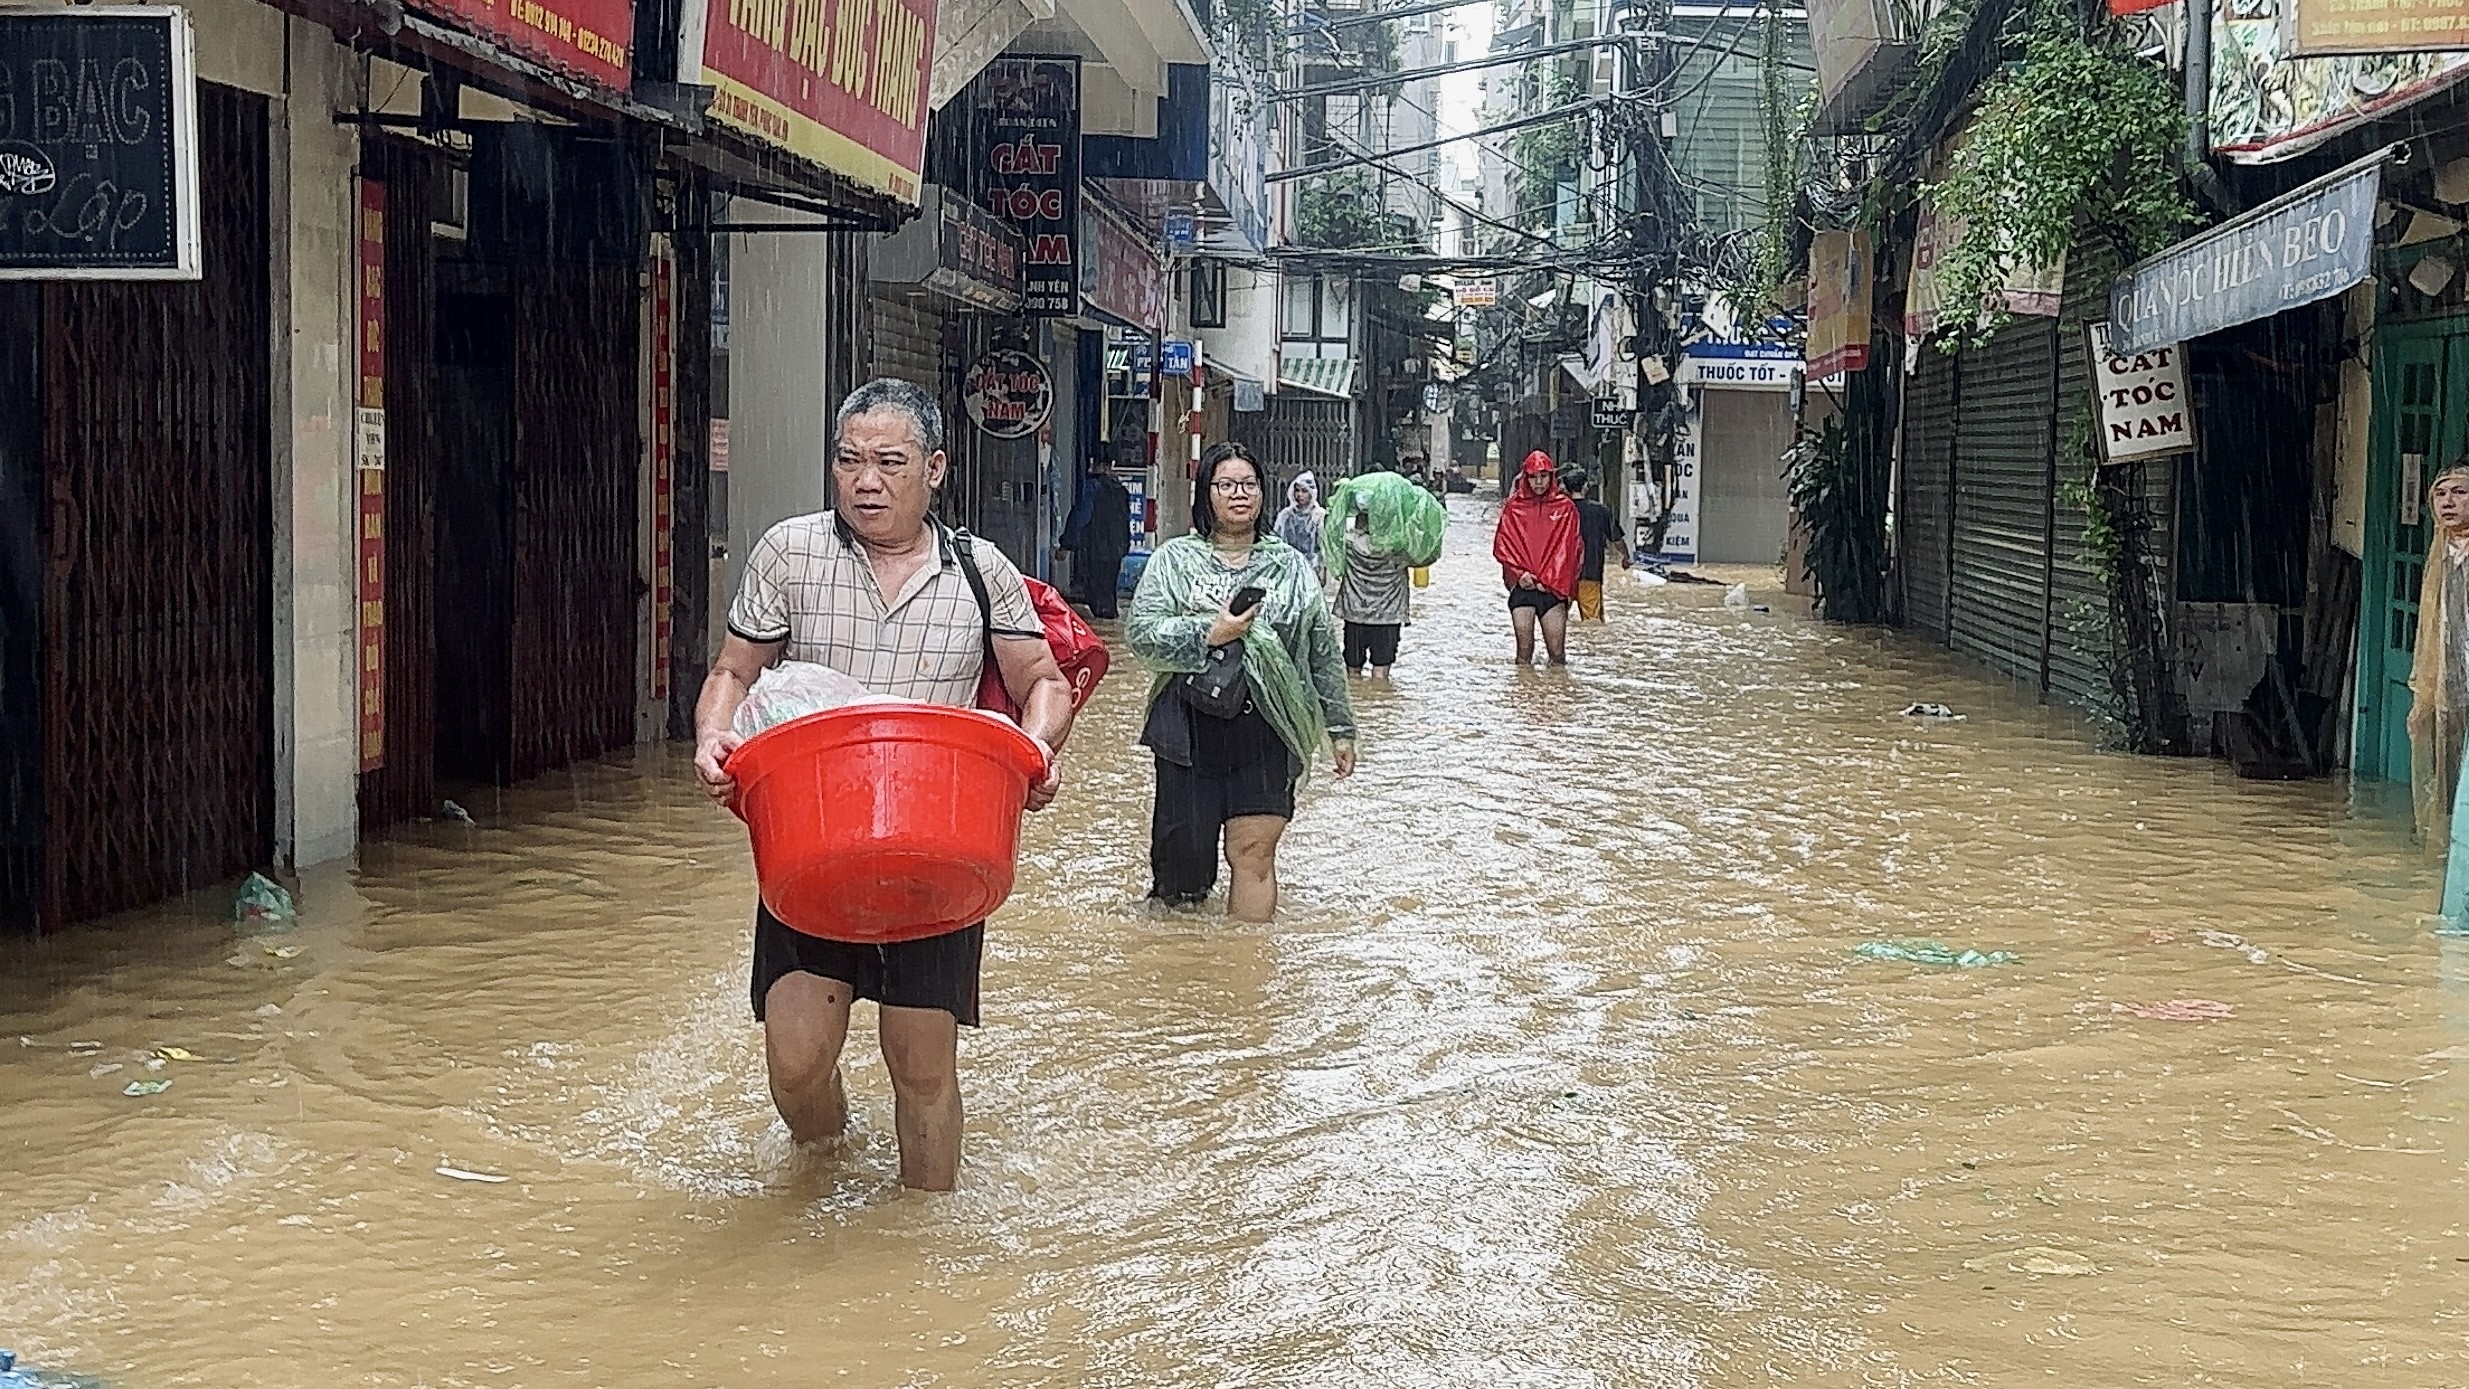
column 794, row 689
column 262, row 904
column 1405, row 520
column 1737, row 598
column 1931, row 952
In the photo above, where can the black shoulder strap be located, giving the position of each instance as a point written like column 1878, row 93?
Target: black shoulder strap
column 964, row 549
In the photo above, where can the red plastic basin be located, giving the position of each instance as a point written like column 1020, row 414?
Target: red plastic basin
column 885, row 822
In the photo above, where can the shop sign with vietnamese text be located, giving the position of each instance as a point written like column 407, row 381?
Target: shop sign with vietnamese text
column 2144, row 407
column 1024, row 122
column 590, row 39
column 98, row 145
column 978, row 255
column 840, row 83
column 369, row 415
column 1752, row 366
column 2294, row 251
column 1121, row 275
column 1008, row 394
column 1839, row 291
column 2325, row 27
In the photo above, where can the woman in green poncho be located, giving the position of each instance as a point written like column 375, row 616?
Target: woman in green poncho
column 1234, row 776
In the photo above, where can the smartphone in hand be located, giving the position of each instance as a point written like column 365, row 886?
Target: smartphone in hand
column 1246, row 599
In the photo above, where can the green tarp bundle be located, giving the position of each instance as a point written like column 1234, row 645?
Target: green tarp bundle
column 1405, row 519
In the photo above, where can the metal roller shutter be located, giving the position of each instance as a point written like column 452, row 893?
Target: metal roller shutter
column 2078, row 605
column 908, row 339
column 1925, row 508
column 1999, row 606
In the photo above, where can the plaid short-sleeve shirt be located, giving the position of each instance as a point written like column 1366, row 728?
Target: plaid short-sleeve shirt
column 808, row 585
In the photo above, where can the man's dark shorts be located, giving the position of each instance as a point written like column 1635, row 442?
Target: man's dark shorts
column 1536, row 599
column 937, row 972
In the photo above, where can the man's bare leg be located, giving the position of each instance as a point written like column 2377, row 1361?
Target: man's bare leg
column 1555, row 635
column 921, row 1046
column 805, row 1023
column 1524, row 620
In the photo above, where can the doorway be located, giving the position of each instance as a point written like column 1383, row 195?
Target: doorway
column 2419, row 368
column 475, row 536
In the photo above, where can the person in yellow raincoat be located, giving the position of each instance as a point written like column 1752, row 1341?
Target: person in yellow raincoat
column 2439, row 673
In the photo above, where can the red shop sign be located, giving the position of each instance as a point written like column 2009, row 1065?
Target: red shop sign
column 840, row 83
column 591, row 39
column 1126, row 279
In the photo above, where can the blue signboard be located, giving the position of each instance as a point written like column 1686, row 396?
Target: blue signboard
column 2295, row 250
column 1745, row 351
column 1178, row 357
column 1182, row 229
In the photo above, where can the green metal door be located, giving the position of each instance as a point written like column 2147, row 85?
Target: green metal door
column 2418, row 370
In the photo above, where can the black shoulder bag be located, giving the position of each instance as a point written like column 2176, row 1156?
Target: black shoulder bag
column 1221, row 690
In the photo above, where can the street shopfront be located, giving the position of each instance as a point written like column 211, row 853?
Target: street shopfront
column 137, row 669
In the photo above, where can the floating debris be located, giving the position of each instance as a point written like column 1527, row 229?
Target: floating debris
column 138, row 1089
column 263, row 903
column 1932, row 713
column 2177, row 1010
column 1932, row 952
column 464, row 1175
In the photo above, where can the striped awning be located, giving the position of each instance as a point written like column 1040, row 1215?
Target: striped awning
column 1333, row 376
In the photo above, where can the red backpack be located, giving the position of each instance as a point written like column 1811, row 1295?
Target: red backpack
column 1078, row 650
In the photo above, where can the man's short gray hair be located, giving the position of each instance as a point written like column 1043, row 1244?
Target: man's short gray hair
column 901, row 398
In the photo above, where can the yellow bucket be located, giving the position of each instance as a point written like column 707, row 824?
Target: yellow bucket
column 1423, row 577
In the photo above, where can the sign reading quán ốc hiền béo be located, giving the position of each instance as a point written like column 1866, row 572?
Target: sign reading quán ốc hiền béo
column 2294, row 251
column 98, row 144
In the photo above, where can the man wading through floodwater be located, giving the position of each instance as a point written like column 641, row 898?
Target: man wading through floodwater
column 877, row 592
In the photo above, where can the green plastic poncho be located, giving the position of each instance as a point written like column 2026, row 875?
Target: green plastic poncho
column 1406, row 520
column 1297, row 669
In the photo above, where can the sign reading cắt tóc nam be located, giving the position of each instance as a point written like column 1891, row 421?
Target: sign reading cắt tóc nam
column 2144, row 407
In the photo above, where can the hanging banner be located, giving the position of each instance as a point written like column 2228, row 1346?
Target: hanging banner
column 370, row 445
column 2318, row 28
column 2029, row 290
column 2144, row 407
column 2304, row 246
column 98, row 145
column 589, row 39
column 2271, row 102
column 1478, row 294
column 664, row 469
column 1839, row 292
column 1025, row 153
column 1008, row 394
column 839, row 83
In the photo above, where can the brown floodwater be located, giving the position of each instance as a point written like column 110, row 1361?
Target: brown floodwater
column 1560, row 1070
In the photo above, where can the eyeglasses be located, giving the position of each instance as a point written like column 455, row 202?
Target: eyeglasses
column 1235, row 487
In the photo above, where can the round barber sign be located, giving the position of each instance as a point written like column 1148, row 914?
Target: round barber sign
column 1008, row 394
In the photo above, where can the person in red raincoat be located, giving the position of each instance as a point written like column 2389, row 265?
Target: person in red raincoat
column 1537, row 546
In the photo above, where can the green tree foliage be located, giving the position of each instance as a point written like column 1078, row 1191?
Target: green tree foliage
column 2080, row 138
column 1343, row 211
